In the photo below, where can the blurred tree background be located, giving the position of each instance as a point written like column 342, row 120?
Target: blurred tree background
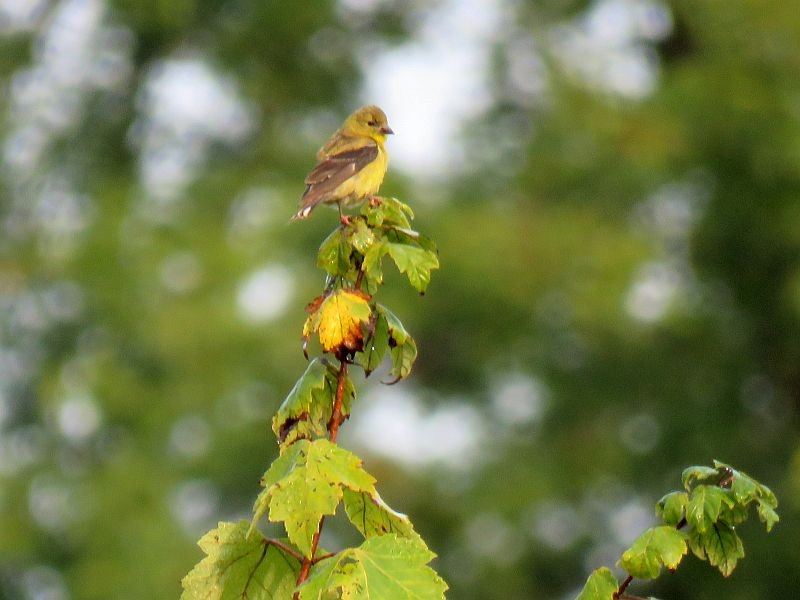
column 615, row 190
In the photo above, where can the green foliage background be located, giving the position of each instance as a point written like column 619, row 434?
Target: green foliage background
column 136, row 399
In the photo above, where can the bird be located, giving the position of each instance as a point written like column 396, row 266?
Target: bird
column 351, row 165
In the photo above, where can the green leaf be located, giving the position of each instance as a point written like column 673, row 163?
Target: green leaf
column 282, row 466
column 372, row 265
column 403, row 348
column 389, row 211
column 375, row 213
column 361, row 236
column 307, row 409
column 414, row 254
column 305, row 483
column 705, row 505
column 663, row 545
column 372, row 517
column 601, row 585
column 745, row 490
column 671, row 507
column 765, row 494
column 426, row 243
column 693, row 474
column 375, row 346
column 403, row 357
column 334, row 254
column 720, row 544
column 744, row 487
column 382, row 568
column 397, row 213
column 416, row 262
column 240, row 566
column 397, row 330
column 767, row 514
column 733, row 515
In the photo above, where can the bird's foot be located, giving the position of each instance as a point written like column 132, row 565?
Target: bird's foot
column 375, row 201
column 345, row 220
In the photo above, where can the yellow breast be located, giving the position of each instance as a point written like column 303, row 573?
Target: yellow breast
column 367, row 181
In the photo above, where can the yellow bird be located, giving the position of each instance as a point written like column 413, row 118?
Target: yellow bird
column 351, row 164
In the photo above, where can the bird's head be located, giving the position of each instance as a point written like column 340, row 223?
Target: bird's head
column 368, row 121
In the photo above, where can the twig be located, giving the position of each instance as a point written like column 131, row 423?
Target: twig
column 323, row 557
column 336, row 413
column 623, row 587
column 333, row 432
column 290, row 551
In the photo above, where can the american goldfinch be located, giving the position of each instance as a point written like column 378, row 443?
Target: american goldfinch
column 351, row 164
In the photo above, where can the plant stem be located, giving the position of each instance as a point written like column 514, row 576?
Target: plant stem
column 336, row 413
column 285, row 548
column 323, row 557
column 623, row 587
column 333, row 432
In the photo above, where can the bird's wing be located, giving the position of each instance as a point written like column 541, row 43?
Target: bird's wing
column 331, row 172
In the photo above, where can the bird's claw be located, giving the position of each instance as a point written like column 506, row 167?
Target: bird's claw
column 345, row 220
column 375, row 201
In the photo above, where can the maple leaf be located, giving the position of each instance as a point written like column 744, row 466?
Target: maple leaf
column 337, row 319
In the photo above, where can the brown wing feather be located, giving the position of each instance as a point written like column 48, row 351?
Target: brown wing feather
column 330, row 173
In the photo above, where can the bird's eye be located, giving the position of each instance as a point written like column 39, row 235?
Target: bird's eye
column 372, row 123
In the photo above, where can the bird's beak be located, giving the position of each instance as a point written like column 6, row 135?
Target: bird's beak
column 386, row 130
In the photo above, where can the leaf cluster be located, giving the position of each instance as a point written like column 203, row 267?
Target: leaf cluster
column 345, row 319
column 702, row 518
column 356, row 252
column 313, row 476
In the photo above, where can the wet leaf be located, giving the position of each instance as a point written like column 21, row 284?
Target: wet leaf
column 361, row 236
column 745, row 490
column 705, row 504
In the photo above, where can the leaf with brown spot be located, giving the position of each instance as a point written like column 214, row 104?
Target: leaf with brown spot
column 338, row 319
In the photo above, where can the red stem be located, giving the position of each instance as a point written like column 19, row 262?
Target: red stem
column 333, row 432
column 623, row 587
column 285, row 548
column 359, row 279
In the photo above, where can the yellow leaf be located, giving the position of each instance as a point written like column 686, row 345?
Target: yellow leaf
column 337, row 320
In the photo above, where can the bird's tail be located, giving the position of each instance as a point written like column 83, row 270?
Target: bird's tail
column 303, row 213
